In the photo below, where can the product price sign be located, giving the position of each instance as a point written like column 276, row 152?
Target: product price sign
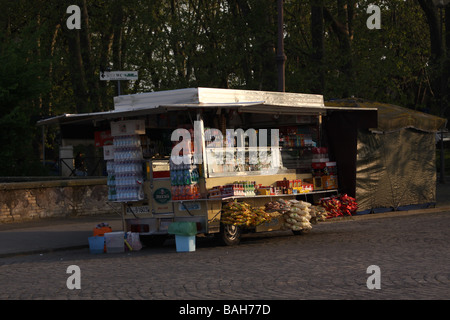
column 190, row 206
column 138, row 210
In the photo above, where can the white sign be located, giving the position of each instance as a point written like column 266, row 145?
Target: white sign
column 138, row 210
column 118, row 75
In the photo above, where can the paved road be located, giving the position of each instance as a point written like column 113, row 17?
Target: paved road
column 412, row 252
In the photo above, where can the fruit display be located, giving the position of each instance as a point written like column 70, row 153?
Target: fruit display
column 296, row 215
column 243, row 214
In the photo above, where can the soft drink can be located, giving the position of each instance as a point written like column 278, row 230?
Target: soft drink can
column 173, row 177
column 181, row 193
column 175, row 195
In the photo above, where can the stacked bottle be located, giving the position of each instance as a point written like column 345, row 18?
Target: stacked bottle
column 249, row 188
column 128, row 171
column 111, row 181
column 184, row 179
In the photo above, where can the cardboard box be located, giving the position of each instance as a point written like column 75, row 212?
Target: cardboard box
column 318, row 183
column 329, row 182
column 307, row 187
column 264, row 191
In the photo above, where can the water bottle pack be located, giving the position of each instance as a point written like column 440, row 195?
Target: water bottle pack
column 127, row 180
column 129, row 193
column 132, row 167
column 112, row 194
column 127, row 141
column 125, row 172
column 127, row 154
column 184, row 179
column 110, row 166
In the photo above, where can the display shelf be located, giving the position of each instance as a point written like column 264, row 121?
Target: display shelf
column 280, row 195
column 123, row 201
column 258, row 196
column 268, row 172
column 195, row 200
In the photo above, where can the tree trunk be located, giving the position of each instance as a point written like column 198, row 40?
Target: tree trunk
column 317, row 35
column 438, row 62
column 76, row 69
column 87, row 55
column 341, row 26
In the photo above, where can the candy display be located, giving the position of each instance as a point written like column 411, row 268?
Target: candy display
column 339, row 206
column 332, row 206
column 348, row 205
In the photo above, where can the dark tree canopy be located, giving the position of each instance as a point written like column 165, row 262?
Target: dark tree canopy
column 47, row 69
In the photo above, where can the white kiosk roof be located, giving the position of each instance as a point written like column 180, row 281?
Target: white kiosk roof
column 250, row 101
column 211, row 96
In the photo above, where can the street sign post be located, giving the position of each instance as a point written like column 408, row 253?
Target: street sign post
column 118, row 76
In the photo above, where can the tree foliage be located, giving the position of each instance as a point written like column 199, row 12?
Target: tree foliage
column 47, row 69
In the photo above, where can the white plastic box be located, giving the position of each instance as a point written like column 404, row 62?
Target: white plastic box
column 115, row 242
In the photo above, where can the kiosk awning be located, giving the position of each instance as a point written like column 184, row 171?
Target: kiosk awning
column 245, row 101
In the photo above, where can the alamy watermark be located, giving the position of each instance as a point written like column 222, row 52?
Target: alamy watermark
column 217, row 153
column 74, row 280
column 374, row 280
column 74, row 21
column 374, row 21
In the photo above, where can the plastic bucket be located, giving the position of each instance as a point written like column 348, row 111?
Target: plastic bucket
column 115, row 242
column 96, row 244
column 185, row 243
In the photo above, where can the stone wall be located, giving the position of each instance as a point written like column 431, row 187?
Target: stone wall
column 25, row 201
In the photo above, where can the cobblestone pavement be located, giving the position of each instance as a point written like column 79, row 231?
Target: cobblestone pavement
column 412, row 252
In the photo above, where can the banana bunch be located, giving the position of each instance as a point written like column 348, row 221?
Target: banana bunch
column 243, row 214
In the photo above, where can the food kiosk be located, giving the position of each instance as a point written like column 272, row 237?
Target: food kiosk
column 197, row 154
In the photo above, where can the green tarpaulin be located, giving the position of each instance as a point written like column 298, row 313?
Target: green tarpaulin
column 395, row 162
column 392, row 117
column 183, row 228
